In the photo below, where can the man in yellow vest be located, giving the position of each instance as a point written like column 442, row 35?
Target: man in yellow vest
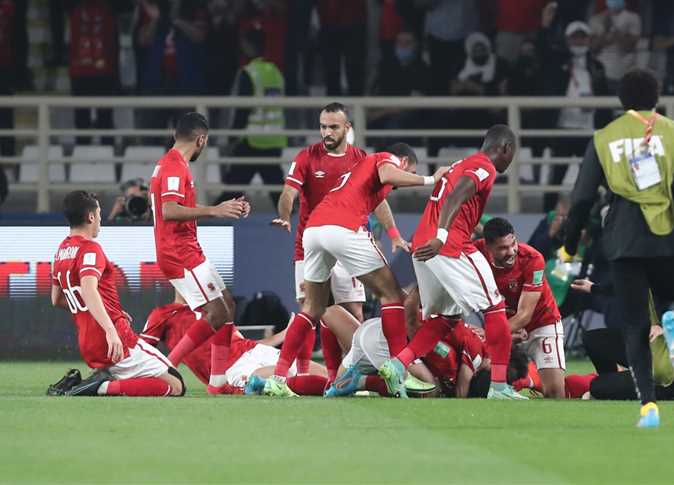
column 633, row 157
column 259, row 77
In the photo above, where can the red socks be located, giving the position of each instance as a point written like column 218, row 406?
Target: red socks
column 332, row 352
column 426, row 338
column 197, row 334
column 297, row 331
column 307, row 384
column 376, row 384
column 499, row 340
column 306, row 351
column 220, row 353
column 139, row 387
column 393, row 325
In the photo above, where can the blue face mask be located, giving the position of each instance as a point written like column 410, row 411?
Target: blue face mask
column 404, row 54
column 615, row 4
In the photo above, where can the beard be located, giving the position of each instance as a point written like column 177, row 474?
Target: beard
column 196, row 154
column 332, row 143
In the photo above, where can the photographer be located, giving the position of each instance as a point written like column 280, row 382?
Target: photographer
column 133, row 205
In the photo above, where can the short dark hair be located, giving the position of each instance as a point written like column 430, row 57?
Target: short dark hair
column 189, row 124
column 518, row 367
column 496, row 228
column 498, row 136
column 255, row 37
column 639, row 90
column 403, row 150
column 336, row 108
column 77, row 205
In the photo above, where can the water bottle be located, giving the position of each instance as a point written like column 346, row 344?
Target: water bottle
column 668, row 327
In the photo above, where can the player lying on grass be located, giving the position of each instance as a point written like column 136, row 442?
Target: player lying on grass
column 247, row 358
column 84, row 283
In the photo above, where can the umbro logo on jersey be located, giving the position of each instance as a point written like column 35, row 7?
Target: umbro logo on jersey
column 319, row 174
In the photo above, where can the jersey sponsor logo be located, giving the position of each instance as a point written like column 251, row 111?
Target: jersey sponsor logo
column 628, row 147
column 173, row 183
column 481, row 174
column 89, row 259
column 537, row 277
column 319, row 174
column 67, row 253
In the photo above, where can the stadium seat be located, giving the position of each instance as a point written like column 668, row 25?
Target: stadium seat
column 289, row 154
column 28, row 171
column 93, row 172
column 140, row 161
column 213, row 169
column 524, row 155
column 454, row 154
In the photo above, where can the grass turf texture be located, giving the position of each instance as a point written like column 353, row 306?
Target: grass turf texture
column 203, row 439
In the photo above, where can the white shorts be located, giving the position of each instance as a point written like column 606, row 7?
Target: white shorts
column 200, row 285
column 144, row 360
column 325, row 245
column 259, row 356
column 369, row 348
column 345, row 288
column 545, row 346
column 455, row 286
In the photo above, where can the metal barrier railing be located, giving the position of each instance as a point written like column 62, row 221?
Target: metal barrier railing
column 359, row 107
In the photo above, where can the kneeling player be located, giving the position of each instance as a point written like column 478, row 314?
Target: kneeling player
column 519, row 272
column 248, row 364
column 83, row 282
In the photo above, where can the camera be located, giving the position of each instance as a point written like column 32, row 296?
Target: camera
column 136, row 206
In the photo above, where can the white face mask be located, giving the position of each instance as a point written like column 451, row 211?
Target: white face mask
column 579, row 50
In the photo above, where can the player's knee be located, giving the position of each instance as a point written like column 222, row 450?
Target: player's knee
column 230, row 305
column 314, row 310
column 554, row 389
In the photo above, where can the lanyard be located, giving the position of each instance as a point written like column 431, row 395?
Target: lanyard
column 649, row 122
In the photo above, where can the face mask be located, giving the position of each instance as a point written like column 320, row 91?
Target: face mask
column 615, row 4
column 404, row 54
column 579, row 50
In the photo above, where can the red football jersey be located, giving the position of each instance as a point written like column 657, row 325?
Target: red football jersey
column 77, row 257
column 169, row 323
column 461, row 347
column 527, row 274
column 175, row 241
column 481, row 171
column 314, row 172
column 356, row 195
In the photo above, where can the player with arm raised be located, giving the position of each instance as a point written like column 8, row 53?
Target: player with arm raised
column 336, row 231
column 84, row 283
column 179, row 254
column 453, row 276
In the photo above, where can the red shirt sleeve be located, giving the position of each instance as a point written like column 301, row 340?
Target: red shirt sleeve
column 173, row 179
column 385, row 157
column 92, row 261
column 534, row 273
column 482, row 174
column 298, row 170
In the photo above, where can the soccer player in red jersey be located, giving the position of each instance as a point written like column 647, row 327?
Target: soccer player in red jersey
column 519, row 271
column 84, row 283
column 179, row 254
column 453, row 276
column 314, row 172
column 249, row 361
column 336, row 231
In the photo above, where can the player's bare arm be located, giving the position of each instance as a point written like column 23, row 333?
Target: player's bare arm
column 525, row 310
column 385, row 217
column 463, row 378
column 230, row 209
column 463, row 191
column 94, row 302
column 58, row 299
column 276, row 339
column 285, row 208
column 390, row 174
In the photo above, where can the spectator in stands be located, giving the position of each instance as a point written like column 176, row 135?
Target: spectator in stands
column 448, row 23
column 615, row 33
column 390, row 25
column 516, row 20
column 548, row 236
column 94, row 60
column 13, row 62
column 133, row 204
column 571, row 70
column 260, row 77
column 343, row 37
column 271, row 17
column 663, row 40
column 403, row 74
column 170, row 53
column 299, row 21
column 222, row 44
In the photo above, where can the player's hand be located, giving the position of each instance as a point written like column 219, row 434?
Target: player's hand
column 520, row 335
column 439, row 173
column 429, row 250
column 656, row 331
column 584, row 285
column 282, row 223
column 246, row 206
column 549, row 13
column 232, row 209
column 115, row 348
column 399, row 242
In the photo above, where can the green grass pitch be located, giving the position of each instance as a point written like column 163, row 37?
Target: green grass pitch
column 203, row 439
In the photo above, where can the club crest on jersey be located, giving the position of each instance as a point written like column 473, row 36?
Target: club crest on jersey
column 319, row 174
column 512, row 285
